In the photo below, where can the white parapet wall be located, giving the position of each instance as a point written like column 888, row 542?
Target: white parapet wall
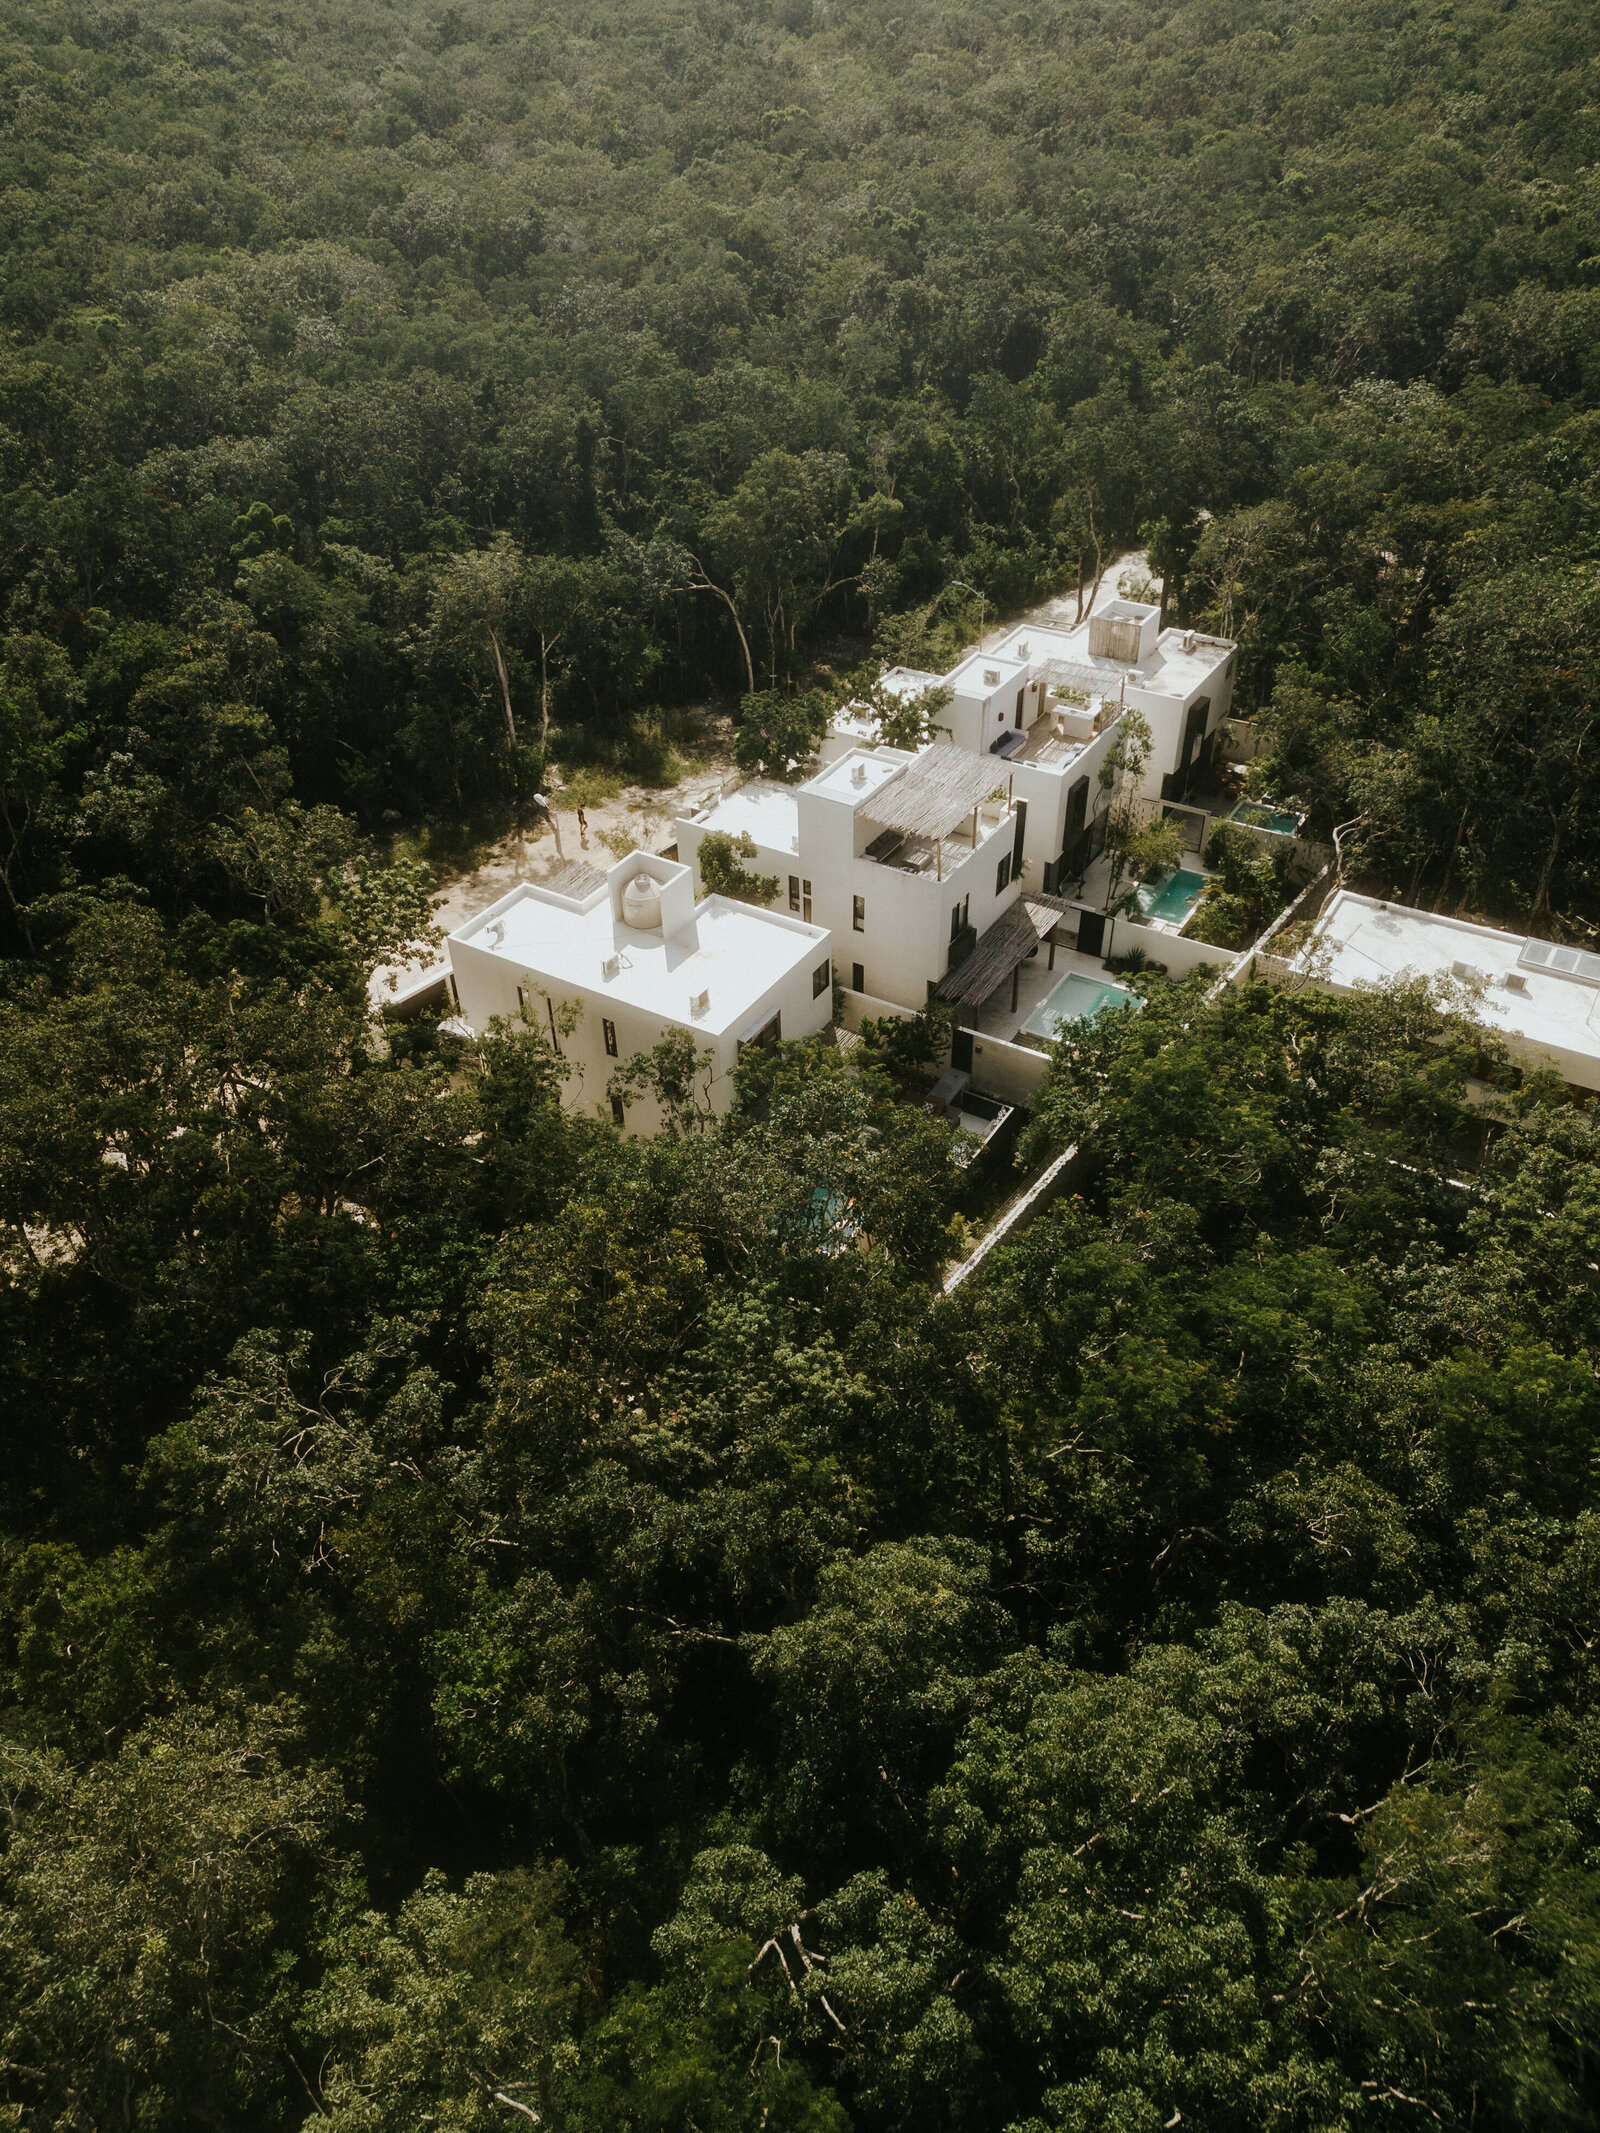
column 859, row 1007
column 1013, row 1072
column 1180, row 955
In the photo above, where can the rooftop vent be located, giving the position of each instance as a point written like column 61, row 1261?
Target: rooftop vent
column 1022, row 649
column 858, row 774
column 1189, row 640
column 1464, row 970
column 496, row 933
column 699, row 1002
column 1514, row 981
column 611, row 965
column 991, row 677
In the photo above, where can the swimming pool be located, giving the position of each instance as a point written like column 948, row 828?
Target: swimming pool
column 1077, row 999
column 1173, row 898
column 1262, row 815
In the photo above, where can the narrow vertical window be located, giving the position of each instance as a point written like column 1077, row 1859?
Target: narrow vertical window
column 819, row 978
column 608, row 1030
column 794, row 892
column 618, row 1114
column 1002, row 874
column 805, row 901
column 858, row 977
column 858, row 913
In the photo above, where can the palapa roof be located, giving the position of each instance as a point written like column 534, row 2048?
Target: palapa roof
column 936, row 793
column 1009, row 941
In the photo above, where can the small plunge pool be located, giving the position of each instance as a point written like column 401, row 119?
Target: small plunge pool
column 1262, row 815
column 1174, row 898
column 1077, row 999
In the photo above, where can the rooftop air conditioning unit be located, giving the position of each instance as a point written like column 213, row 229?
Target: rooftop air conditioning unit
column 1464, row 970
column 1189, row 640
column 1022, row 649
column 858, row 775
column 1514, row 981
column 699, row 1002
column 991, row 677
column 611, row 965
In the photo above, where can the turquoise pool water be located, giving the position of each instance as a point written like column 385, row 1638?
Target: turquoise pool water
column 1256, row 814
column 1173, row 898
column 1077, row 999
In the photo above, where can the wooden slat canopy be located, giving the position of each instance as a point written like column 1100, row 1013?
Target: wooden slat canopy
column 1009, row 941
column 936, row 793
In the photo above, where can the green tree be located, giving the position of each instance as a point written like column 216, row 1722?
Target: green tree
column 722, row 873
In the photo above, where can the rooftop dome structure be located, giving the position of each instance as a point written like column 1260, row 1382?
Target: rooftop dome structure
column 641, row 903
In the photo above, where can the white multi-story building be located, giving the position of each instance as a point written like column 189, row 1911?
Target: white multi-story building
column 903, row 858
column 607, row 964
column 895, row 867
column 1047, row 702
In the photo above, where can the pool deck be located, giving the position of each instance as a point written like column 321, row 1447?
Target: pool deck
column 1097, row 995
column 1035, row 983
column 1173, row 921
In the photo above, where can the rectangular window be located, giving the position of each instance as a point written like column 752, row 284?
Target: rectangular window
column 820, row 978
column 522, row 1001
column 858, row 978
column 805, row 901
column 858, row 913
column 958, row 917
column 1002, row 875
column 609, row 1031
column 1021, row 693
column 794, row 892
column 618, row 1114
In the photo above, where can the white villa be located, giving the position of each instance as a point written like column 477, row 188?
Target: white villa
column 1541, row 999
column 900, row 856
column 1046, row 702
column 633, row 954
column 939, row 871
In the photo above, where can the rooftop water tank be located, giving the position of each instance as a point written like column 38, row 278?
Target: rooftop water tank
column 641, row 903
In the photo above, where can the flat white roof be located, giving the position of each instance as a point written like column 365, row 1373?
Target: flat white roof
column 1361, row 941
column 1169, row 671
column 734, row 951
column 968, row 678
column 909, row 681
column 877, row 766
column 769, row 812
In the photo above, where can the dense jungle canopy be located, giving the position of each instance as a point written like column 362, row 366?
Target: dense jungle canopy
column 498, row 1621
